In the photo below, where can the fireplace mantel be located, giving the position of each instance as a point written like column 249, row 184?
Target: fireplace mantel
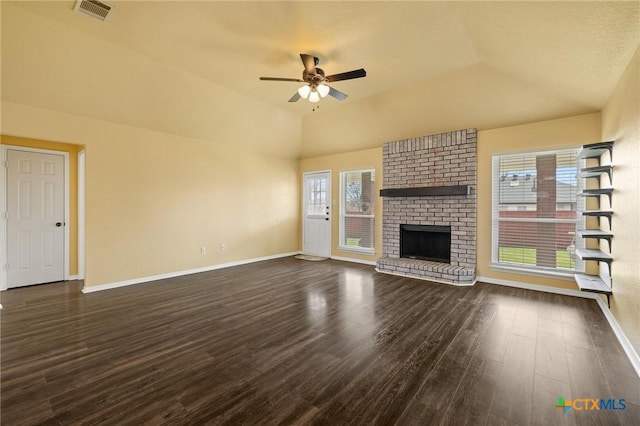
column 426, row 191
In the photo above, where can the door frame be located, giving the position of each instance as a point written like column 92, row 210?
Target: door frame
column 4, row 183
column 304, row 202
column 82, row 167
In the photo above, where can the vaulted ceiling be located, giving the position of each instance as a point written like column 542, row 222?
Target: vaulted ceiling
column 459, row 64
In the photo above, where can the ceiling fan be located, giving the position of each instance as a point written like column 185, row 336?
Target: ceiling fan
column 316, row 86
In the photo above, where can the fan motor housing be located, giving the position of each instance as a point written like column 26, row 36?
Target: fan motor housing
column 313, row 78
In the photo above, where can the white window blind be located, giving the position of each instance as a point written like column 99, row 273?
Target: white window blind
column 535, row 205
column 357, row 217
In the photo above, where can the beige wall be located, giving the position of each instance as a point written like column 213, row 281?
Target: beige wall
column 366, row 159
column 73, row 186
column 219, row 167
column 54, row 66
column 621, row 123
column 153, row 199
column 569, row 132
column 403, row 113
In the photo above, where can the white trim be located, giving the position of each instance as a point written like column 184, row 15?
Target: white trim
column 354, row 260
column 628, row 348
column 74, row 277
column 81, row 214
column 538, row 272
column 3, row 227
column 67, row 190
column 361, row 250
column 495, row 229
column 92, row 289
column 427, row 279
column 537, row 287
column 3, row 187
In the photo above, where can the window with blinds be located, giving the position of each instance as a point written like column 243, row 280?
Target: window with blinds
column 535, row 205
column 357, row 216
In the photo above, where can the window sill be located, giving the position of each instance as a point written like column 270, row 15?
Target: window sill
column 568, row 275
column 357, row 250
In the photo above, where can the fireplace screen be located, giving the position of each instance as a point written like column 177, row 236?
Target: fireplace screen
column 426, row 242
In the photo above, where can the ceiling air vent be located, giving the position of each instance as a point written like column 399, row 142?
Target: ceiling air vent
column 93, row 8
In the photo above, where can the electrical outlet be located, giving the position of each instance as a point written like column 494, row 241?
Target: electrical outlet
column 223, row 247
column 203, row 250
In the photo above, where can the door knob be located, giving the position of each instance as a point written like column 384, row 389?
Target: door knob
column 58, row 224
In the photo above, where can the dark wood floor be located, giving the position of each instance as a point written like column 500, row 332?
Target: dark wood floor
column 295, row 342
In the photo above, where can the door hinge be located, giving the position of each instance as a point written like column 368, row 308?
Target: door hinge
column 6, row 164
column 5, row 266
column 6, row 215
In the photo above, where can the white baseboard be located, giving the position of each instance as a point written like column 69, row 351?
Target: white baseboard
column 351, row 259
column 427, row 279
column 73, row 277
column 536, row 287
column 628, row 348
column 101, row 287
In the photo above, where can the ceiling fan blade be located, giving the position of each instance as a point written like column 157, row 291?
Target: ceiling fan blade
column 346, row 75
column 309, row 63
column 281, row 79
column 295, row 98
column 337, row 94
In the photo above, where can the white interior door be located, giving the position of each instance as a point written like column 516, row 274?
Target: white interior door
column 35, row 218
column 317, row 214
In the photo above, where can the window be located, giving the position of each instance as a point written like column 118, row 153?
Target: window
column 316, row 196
column 535, row 200
column 356, row 210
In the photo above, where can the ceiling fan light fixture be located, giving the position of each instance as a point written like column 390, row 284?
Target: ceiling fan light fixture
column 323, row 90
column 314, row 96
column 314, row 79
column 304, row 91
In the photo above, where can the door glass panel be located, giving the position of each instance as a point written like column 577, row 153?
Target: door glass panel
column 316, row 196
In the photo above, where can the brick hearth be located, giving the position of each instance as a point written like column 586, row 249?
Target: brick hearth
column 446, row 159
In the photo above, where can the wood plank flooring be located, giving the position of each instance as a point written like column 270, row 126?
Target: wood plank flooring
column 294, row 342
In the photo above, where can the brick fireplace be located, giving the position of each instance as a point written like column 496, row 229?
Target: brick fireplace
column 431, row 180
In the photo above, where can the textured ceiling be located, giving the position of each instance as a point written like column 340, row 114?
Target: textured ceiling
column 561, row 57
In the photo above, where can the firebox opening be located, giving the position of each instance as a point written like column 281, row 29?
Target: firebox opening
column 426, row 242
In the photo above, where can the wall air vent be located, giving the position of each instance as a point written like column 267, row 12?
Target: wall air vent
column 93, row 8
